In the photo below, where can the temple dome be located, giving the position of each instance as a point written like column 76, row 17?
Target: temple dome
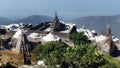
column 51, row 37
column 34, row 35
column 93, row 31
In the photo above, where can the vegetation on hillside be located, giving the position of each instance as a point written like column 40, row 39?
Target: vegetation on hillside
column 79, row 38
column 83, row 55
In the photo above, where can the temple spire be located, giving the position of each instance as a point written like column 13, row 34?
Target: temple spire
column 56, row 20
column 56, row 24
column 55, row 14
column 107, row 31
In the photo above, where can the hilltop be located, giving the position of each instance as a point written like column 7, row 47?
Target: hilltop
column 34, row 19
column 4, row 20
column 99, row 22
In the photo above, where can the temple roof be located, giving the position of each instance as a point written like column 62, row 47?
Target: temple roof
column 56, row 20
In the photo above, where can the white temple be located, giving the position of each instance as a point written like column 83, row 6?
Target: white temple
column 17, row 34
column 19, row 42
column 91, row 37
column 15, row 41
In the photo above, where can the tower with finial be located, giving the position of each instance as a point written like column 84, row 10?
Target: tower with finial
column 56, row 25
column 107, row 31
column 19, row 42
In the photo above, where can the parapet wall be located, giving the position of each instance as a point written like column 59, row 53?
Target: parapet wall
column 43, row 33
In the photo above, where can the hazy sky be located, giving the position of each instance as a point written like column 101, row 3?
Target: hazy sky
column 66, row 8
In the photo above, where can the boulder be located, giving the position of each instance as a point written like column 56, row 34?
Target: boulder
column 107, row 46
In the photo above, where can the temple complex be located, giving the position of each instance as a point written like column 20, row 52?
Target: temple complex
column 56, row 27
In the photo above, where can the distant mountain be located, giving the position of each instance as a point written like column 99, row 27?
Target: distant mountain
column 34, row 19
column 4, row 21
column 99, row 22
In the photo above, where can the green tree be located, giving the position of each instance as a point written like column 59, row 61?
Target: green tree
column 79, row 38
column 57, row 54
column 83, row 55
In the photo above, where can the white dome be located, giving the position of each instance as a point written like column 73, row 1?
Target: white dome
column 34, row 35
column 116, row 39
column 51, row 37
column 93, row 31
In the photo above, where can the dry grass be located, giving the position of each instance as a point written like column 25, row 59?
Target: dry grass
column 15, row 58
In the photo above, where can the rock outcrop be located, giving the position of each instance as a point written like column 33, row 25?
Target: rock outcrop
column 107, row 46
